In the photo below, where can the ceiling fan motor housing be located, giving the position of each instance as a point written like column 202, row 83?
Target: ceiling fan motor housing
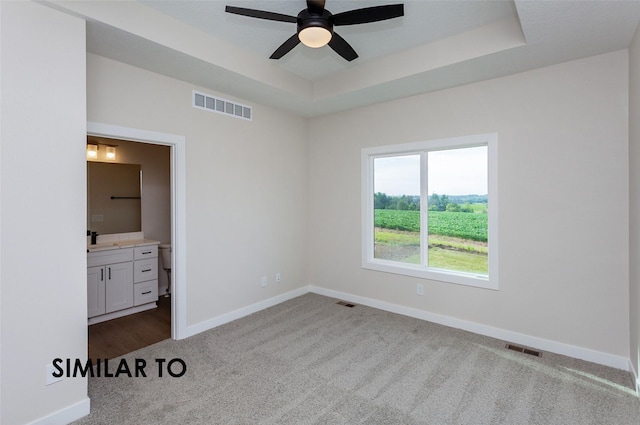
column 307, row 19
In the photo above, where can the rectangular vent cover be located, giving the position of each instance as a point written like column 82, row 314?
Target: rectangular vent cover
column 524, row 350
column 221, row 106
column 346, row 304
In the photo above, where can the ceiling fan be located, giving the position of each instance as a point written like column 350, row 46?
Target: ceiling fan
column 315, row 25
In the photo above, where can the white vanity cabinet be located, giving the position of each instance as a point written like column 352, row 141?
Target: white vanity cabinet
column 145, row 274
column 122, row 279
column 109, row 281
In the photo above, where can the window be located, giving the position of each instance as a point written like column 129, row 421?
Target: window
column 430, row 210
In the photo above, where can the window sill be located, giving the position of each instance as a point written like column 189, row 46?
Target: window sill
column 460, row 278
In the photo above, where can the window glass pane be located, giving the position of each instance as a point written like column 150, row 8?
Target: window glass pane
column 397, row 208
column 457, row 217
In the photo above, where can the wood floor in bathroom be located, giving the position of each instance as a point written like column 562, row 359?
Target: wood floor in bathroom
column 116, row 337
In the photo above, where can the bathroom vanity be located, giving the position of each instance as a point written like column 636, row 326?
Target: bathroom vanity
column 122, row 277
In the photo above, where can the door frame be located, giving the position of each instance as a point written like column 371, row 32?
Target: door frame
column 178, row 210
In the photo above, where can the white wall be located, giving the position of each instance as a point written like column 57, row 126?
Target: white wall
column 634, row 199
column 43, row 197
column 563, row 212
column 246, row 185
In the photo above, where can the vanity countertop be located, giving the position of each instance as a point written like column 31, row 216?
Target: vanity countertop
column 131, row 243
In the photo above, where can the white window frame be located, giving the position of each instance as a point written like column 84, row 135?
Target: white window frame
column 490, row 140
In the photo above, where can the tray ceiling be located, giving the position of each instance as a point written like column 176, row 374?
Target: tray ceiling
column 436, row 45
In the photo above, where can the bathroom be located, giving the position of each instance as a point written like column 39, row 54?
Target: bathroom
column 153, row 218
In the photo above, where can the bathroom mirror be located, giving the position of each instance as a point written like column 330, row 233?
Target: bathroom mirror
column 113, row 197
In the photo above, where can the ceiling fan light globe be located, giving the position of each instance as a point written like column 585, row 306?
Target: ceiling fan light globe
column 315, row 36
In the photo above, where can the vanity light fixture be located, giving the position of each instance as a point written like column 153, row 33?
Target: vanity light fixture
column 93, row 148
column 92, row 151
column 111, row 153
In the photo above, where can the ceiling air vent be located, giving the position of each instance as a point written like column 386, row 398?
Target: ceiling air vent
column 221, row 106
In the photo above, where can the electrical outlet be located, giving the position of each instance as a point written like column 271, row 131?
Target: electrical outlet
column 49, row 373
column 278, row 277
column 264, row 281
column 420, row 289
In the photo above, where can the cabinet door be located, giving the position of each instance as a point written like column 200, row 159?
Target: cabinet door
column 119, row 287
column 95, row 291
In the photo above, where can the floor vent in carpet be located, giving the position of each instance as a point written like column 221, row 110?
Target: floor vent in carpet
column 524, row 350
column 346, row 304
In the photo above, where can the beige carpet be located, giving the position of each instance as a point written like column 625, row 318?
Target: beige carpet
column 311, row 361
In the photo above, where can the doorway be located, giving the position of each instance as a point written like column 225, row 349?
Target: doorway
column 140, row 174
column 176, row 143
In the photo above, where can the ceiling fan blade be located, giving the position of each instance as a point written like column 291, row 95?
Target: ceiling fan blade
column 315, row 6
column 369, row 14
column 261, row 14
column 342, row 48
column 285, row 47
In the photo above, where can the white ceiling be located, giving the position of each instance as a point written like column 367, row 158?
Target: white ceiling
column 436, row 45
column 424, row 22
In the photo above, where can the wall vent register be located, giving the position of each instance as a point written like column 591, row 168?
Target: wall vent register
column 222, row 106
column 524, row 350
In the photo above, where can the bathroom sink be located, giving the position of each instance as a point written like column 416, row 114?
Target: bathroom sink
column 101, row 247
column 122, row 244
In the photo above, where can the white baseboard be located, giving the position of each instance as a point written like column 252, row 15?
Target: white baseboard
column 612, row 360
column 606, row 359
column 66, row 415
column 121, row 313
column 242, row 312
